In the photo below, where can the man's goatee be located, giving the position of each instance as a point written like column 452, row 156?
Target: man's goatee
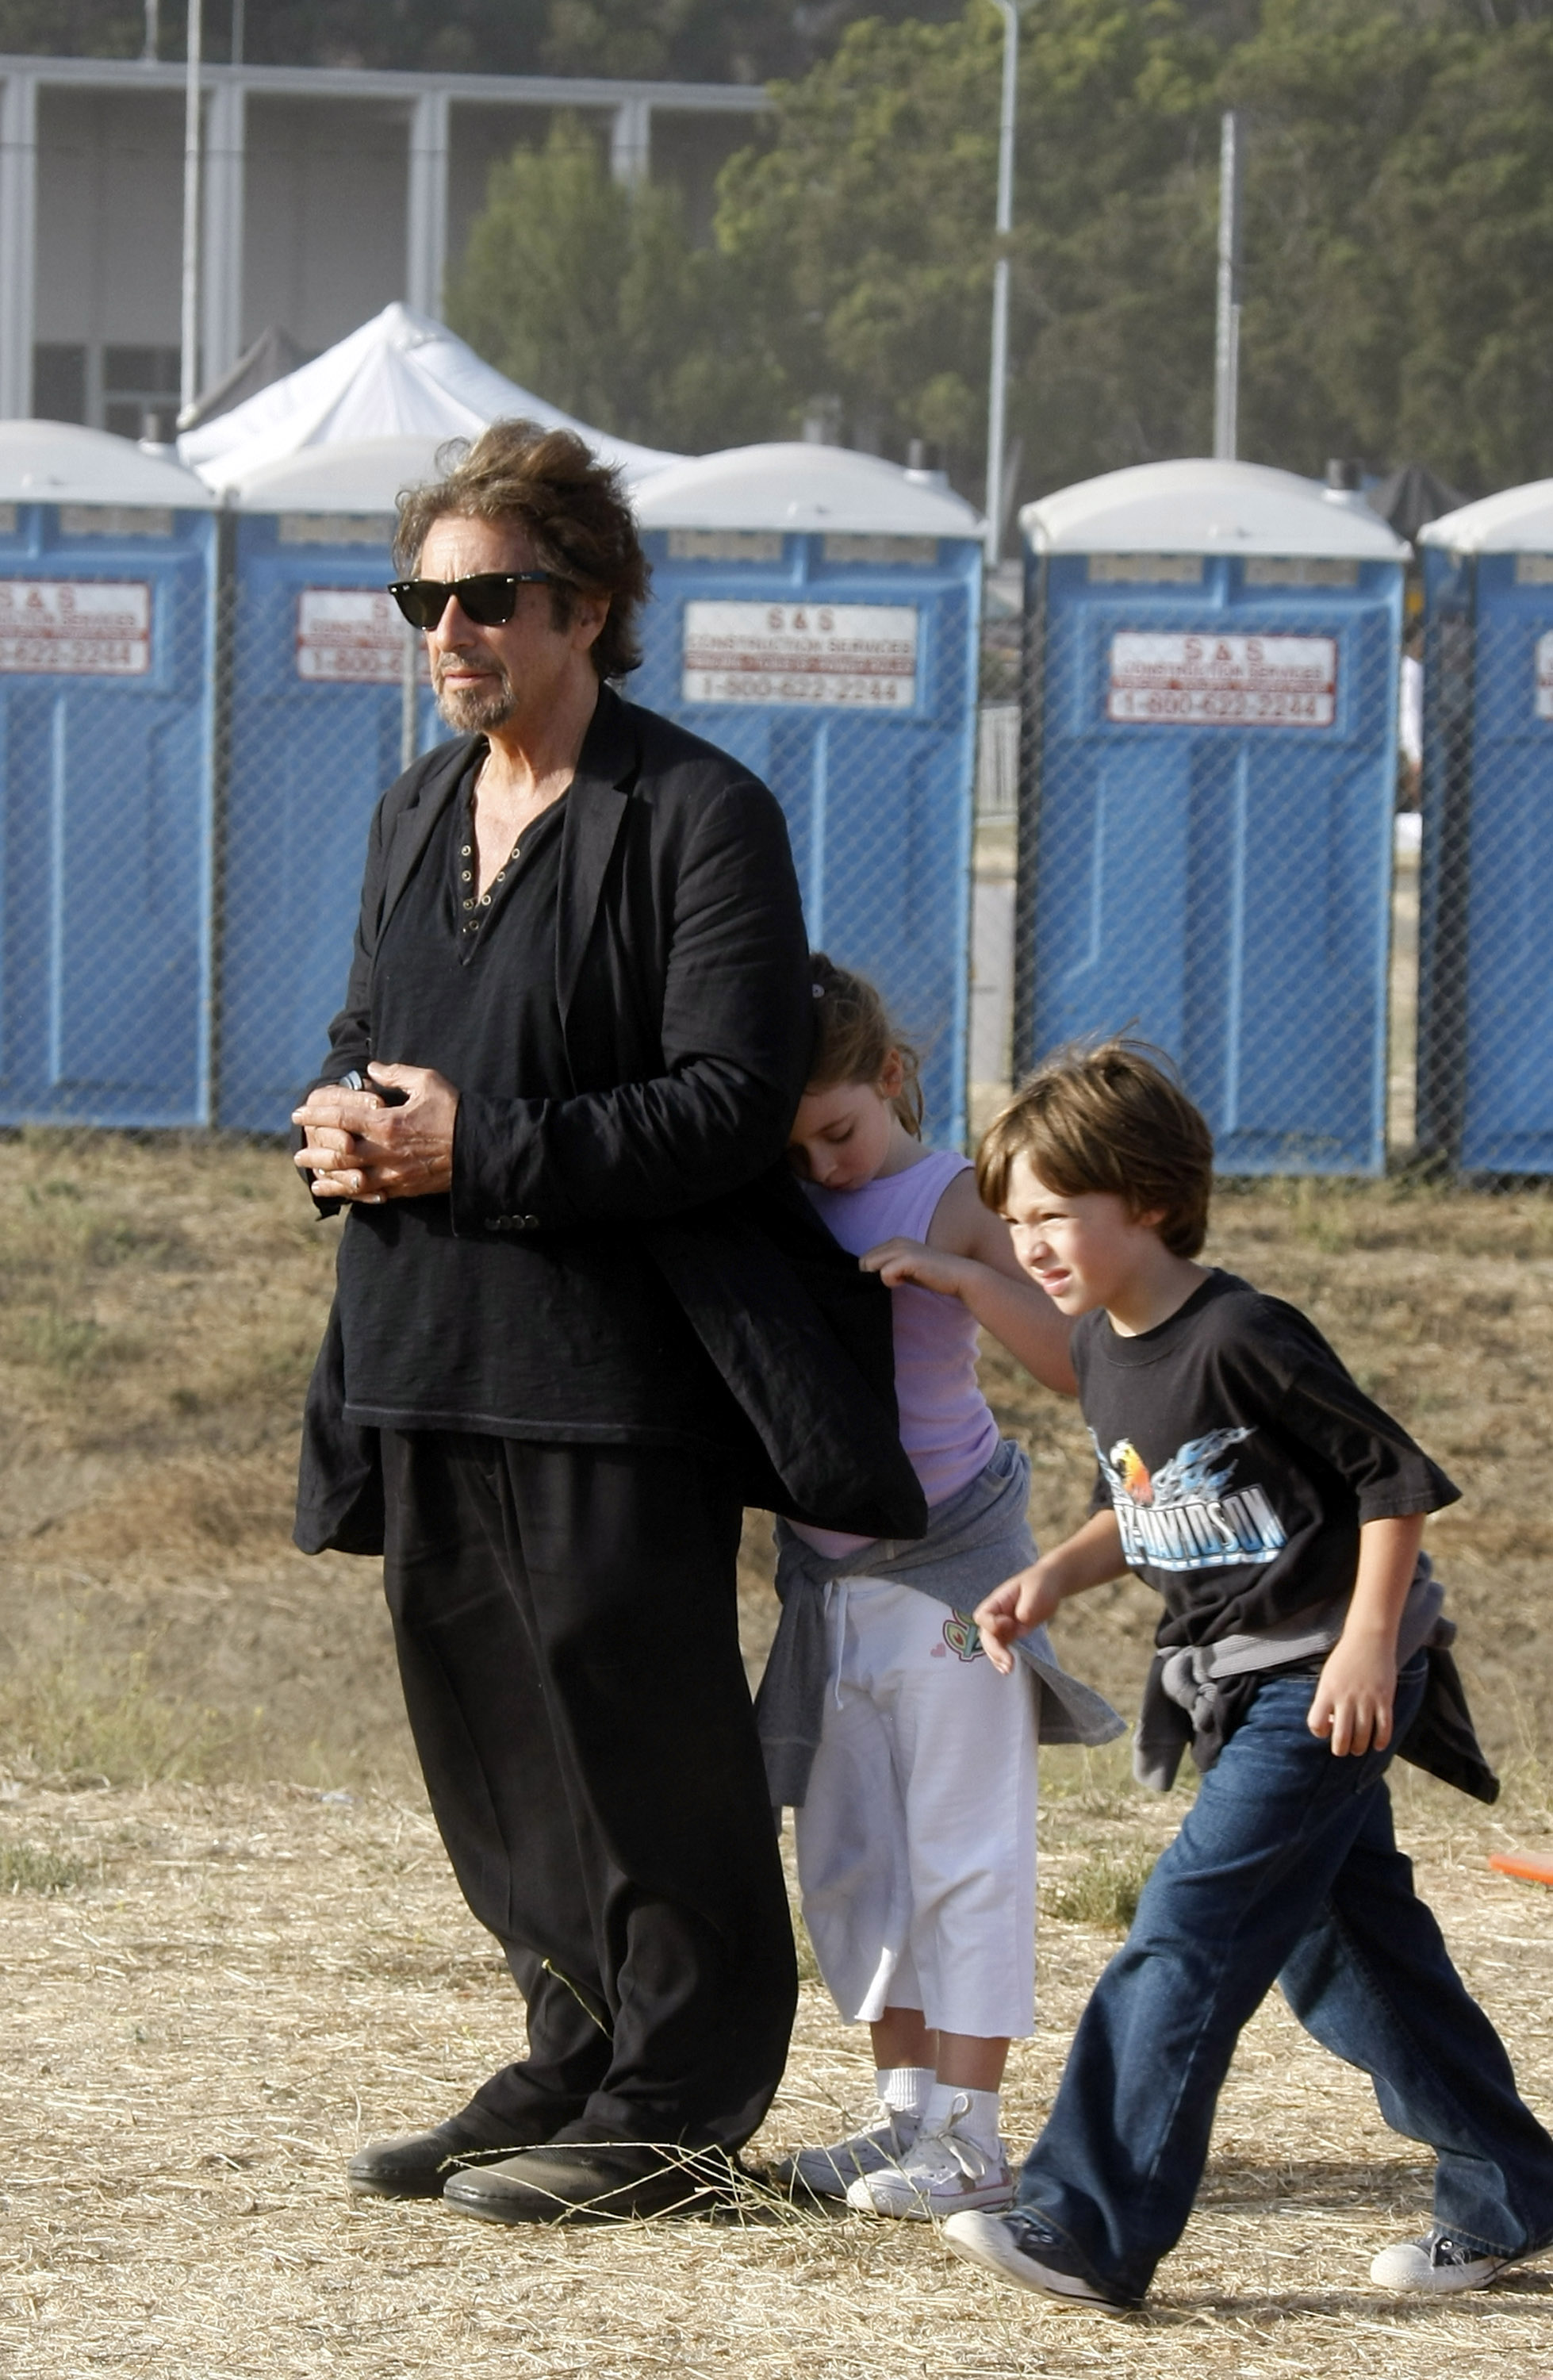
column 470, row 709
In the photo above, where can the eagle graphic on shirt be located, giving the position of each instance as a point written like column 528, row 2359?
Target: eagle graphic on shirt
column 1184, row 1515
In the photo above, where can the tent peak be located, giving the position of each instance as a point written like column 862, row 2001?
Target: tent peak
column 402, row 374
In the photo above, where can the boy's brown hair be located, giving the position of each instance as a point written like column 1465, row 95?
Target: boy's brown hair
column 854, row 1038
column 1107, row 1116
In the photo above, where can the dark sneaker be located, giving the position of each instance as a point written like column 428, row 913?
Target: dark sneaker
column 1026, row 2250
column 1435, row 2263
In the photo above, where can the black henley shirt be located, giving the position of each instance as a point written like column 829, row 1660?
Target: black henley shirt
column 569, row 1336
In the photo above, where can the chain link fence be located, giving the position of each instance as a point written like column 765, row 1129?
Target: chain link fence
column 190, row 758
column 107, row 831
column 1198, row 840
column 327, row 697
column 1485, row 1105
column 991, row 1057
column 186, row 808
column 843, row 669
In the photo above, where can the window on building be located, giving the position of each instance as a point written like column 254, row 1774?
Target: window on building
column 138, row 383
column 58, row 383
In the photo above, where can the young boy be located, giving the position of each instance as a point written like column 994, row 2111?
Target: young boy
column 1278, row 1512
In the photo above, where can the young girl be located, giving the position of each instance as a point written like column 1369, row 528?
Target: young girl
column 909, row 1761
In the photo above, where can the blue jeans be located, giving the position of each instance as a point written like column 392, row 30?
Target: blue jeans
column 1286, row 1868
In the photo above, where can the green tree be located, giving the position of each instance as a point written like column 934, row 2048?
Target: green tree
column 1114, row 251
column 1400, row 236
column 711, row 41
column 860, row 226
column 1466, row 198
column 865, row 224
column 67, row 29
column 1328, row 92
column 1398, row 247
column 592, row 294
column 736, row 40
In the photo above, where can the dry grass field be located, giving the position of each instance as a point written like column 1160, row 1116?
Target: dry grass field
column 229, row 1948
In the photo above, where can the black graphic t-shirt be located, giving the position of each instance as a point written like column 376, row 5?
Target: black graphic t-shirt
column 1240, row 1457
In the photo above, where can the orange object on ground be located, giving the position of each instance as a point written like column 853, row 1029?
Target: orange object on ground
column 1530, row 1871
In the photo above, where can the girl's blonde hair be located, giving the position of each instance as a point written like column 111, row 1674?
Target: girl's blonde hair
column 853, row 1039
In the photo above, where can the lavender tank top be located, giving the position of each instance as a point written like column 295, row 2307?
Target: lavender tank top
column 946, row 1426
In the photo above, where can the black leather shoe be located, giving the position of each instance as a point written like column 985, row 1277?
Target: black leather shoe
column 575, row 2182
column 415, row 2164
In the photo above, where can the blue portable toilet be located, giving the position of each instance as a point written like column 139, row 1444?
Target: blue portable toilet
column 107, row 616
column 323, row 716
column 1486, row 985
column 1208, row 775
column 817, row 614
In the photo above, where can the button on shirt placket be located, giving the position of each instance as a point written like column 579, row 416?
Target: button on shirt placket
column 476, row 908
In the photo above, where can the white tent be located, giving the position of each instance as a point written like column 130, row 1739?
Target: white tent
column 399, row 374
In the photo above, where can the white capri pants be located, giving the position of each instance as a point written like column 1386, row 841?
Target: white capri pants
column 916, row 1843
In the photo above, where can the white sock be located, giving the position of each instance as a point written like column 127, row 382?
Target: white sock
column 979, row 2121
column 903, row 2089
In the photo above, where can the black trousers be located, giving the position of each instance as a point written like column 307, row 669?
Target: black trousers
column 567, row 1638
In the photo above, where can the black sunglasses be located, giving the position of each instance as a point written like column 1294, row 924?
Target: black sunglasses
column 487, row 597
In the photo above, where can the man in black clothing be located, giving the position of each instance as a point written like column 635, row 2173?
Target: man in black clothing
column 582, row 1316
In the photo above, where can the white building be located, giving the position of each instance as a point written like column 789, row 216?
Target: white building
column 328, row 194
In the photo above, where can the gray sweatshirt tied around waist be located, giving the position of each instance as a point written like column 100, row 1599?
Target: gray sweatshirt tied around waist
column 975, row 1540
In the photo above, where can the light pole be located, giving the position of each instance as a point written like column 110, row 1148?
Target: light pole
column 1226, row 343
column 189, row 361
column 996, row 394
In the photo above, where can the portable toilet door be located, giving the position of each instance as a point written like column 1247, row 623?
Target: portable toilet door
column 107, row 578
column 1209, row 781
column 817, row 614
column 325, row 713
column 1485, row 988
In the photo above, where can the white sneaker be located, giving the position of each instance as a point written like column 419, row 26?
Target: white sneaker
column 944, row 2172
column 1435, row 2263
column 830, row 2172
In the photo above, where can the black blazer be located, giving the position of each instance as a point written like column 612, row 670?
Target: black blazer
column 682, row 986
